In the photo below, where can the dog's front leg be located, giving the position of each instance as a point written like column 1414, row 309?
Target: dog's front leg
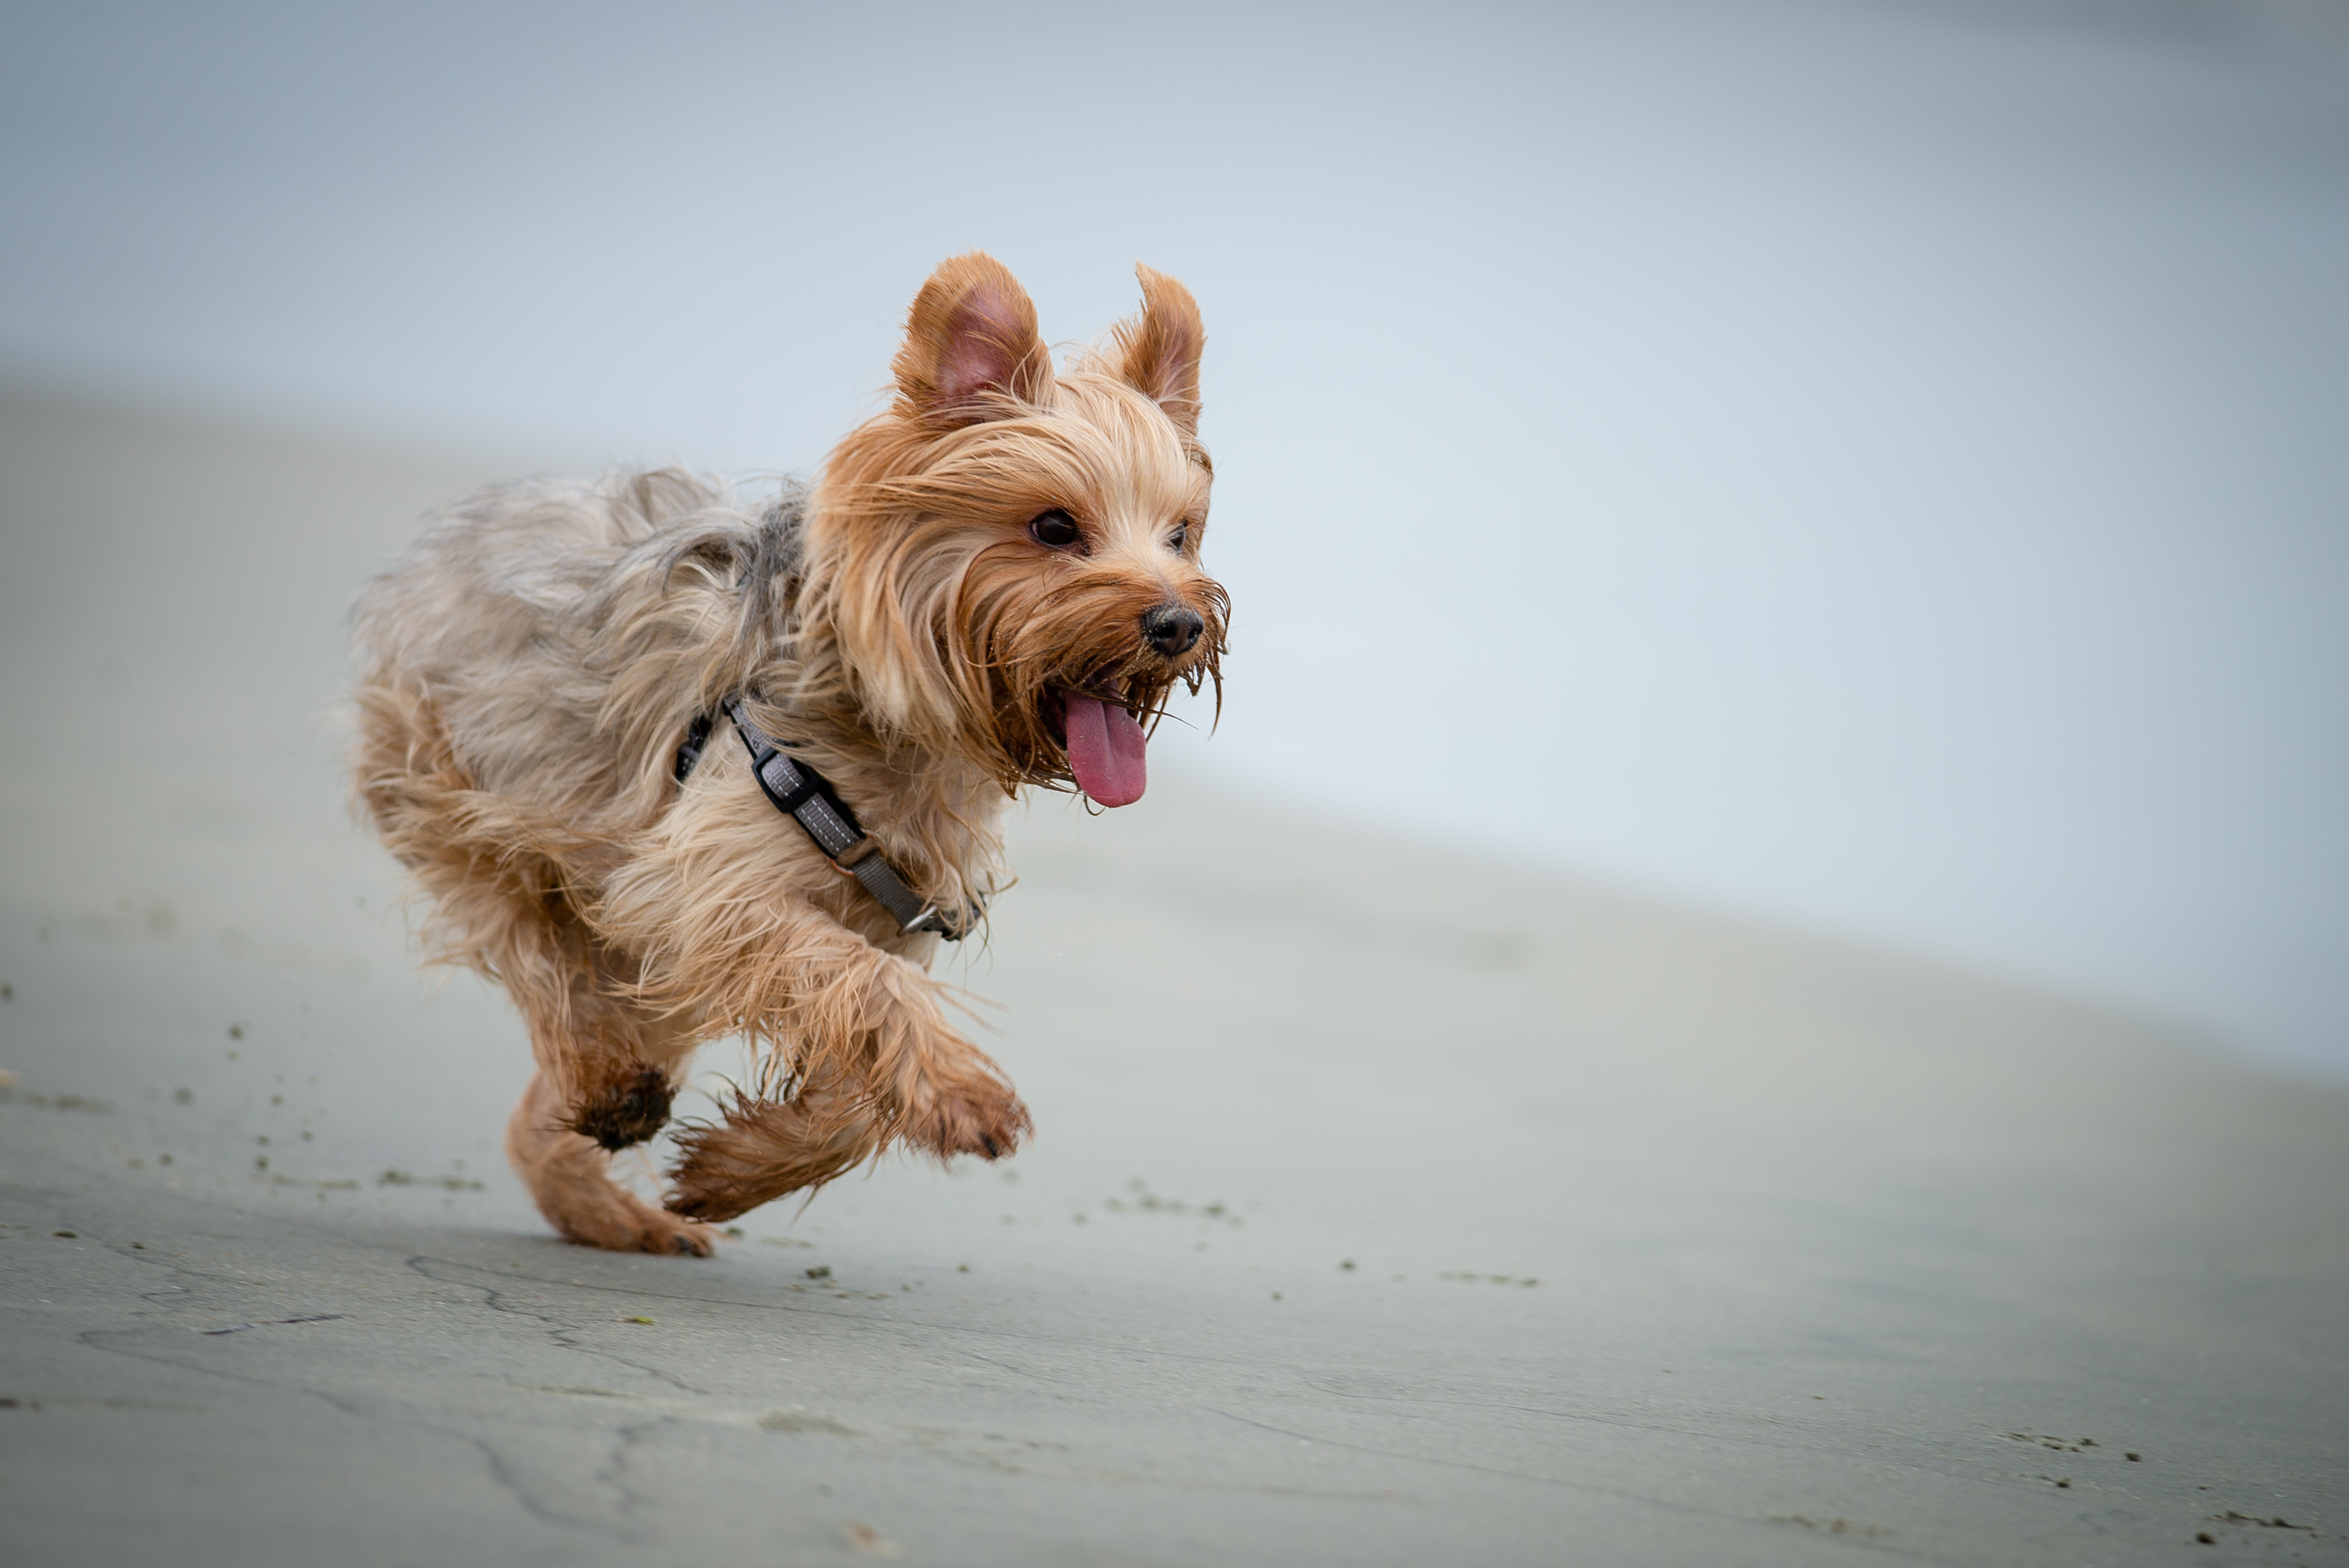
column 766, row 1148
column 851, row 1012
column 862, row 1029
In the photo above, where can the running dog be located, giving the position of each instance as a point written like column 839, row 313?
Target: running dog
column 670, row 769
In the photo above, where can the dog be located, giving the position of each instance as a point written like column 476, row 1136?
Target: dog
column 670, row 769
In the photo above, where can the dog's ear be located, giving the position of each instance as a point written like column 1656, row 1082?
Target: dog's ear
column 971, row 345
column 1159, row 354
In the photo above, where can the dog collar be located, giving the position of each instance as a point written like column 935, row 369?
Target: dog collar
column 807, row 797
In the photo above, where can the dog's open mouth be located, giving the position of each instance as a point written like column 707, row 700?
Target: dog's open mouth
column 1105, row 743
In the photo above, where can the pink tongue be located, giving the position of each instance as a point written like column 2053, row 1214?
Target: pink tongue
column 1105, row 750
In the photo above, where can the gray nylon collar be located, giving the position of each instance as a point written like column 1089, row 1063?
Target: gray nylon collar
column 804, row 796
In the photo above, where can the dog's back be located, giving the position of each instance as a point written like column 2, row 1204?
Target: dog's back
column 507, row 626
column 501, row 740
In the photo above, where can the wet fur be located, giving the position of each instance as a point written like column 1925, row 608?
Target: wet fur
column 530, row 669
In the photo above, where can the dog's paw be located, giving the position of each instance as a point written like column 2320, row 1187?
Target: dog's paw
column 618, row 1222
column 985, row 1119
column 662, row 1231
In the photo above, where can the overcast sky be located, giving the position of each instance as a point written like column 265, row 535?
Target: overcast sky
column 1882, row 465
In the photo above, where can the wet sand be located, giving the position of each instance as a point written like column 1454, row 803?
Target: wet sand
column 1384, row 1208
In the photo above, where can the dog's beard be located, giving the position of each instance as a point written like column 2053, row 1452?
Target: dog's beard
column 1073, row 693
column 1092, row 729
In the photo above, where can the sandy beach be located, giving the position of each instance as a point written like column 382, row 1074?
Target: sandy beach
column 1385, row 1206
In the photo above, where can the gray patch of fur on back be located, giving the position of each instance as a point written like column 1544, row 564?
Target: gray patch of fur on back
column 568, row 633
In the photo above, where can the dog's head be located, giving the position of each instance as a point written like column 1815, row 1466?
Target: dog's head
column 1009, row 558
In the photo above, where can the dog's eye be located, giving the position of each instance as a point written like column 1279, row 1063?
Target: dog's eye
column 1180, row 538
column 1055, row 530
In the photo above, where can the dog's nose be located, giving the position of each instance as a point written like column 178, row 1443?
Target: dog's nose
column 1173, row 629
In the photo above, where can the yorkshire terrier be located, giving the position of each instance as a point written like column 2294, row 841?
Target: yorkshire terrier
column 670, row 769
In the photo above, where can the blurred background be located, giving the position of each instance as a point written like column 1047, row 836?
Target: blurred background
column 1877, row 466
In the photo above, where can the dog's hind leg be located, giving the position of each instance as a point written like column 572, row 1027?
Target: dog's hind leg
column 604, row 1083
column 765, row 1149
column 569, row 1177
column 502, row 906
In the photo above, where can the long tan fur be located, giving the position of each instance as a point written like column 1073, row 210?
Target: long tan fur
column 530, row 669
